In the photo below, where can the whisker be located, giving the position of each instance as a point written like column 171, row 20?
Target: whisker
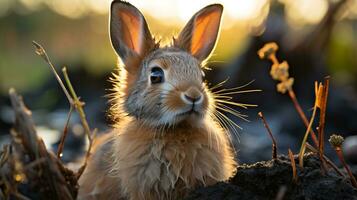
column 221, row 121
column 226, row 106
column 210, row 136
column 216, row 61
column 243, row 105
column 236, row 92
column 215, row 135
column 225, row 117
column 222, row 97
column 233, row 112
column 235, row 88
column 224, row 125
column 222, row 106
column 233, row 126
column 220, row 84
column 233, row 134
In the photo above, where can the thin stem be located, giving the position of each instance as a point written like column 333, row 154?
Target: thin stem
column 78, row 104
column 273, row 59
column 41, row 52
column 303, row 144
column 342, row 159
column 34, row 163
column 274, row 146
column 79, row 107
column 293, row 165
column 281, row 193
column 327, row 160
column 323, row 104
column 64, row 134
column 302, row 116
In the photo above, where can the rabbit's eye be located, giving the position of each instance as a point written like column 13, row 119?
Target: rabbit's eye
column 157, row 75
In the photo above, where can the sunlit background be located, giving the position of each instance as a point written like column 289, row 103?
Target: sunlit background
column 75, row 34
column 76, row 30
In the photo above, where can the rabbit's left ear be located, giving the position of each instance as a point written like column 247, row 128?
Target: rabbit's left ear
column 129, row 31
column 199, row 35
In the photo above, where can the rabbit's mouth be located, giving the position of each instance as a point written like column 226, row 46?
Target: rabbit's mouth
column 190, row 112
column 194, row 111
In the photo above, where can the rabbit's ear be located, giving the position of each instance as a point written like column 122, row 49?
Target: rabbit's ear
column 129, row 31
column 199, row 35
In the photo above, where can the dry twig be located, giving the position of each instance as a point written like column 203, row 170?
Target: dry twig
column 318, row 91
column 327, row 160
column 30, row 159
column 274, row 145
column 79, row 106
column 41, row 52
column 268, row 51
column 280, row 72
column 322, row 103
column 64, row 135
column 74, row 102
column 293, row 165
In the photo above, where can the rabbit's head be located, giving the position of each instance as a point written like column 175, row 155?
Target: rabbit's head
column 162, row 85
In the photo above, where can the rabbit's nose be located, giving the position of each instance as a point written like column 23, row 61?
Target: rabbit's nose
column 192, row 95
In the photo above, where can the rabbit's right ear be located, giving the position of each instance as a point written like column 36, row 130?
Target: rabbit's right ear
column 129, row 32
column 199, row 35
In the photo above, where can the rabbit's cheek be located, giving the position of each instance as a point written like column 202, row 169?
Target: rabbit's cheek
column 205, row 103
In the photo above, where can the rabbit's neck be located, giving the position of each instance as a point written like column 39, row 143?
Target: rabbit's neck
column 173, row 162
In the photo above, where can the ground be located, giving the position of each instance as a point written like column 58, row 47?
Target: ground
column 273, row 180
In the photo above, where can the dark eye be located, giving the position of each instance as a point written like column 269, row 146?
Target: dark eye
column 157, row 75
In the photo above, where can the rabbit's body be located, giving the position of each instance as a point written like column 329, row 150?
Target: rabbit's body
column 167, row 139
column 144, row 165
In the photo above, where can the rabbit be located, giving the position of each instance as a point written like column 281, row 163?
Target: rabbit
column 165, row 141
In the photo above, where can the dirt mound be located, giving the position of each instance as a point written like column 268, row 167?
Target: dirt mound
column 273, row 180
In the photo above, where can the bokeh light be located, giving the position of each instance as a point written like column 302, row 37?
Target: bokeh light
column 301, row 12
column 74, row 24
column 176, row 11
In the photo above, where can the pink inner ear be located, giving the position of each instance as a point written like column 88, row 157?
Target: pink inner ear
column 205, row 32
column 132, row 28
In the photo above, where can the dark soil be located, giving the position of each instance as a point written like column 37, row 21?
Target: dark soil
column 270, row 179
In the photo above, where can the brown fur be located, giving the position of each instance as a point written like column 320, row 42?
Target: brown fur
column 156, row 150
column 142, row 165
